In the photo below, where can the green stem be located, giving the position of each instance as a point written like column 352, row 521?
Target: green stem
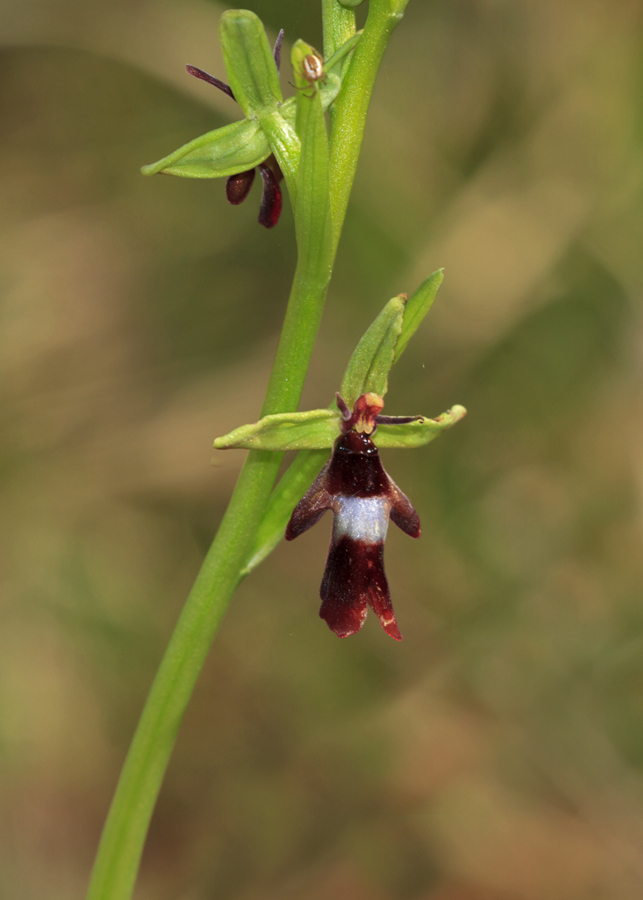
column 124, row 834
column 348, row 119
column 123, row 838
column 126, row 827
column 338, row 25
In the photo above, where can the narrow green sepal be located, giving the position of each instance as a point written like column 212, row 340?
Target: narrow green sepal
column 226, row 151
column 239, row 146
column 315, row 429
column 250, row 66
column 419, row 433
column 368, row 367
column 417, row 307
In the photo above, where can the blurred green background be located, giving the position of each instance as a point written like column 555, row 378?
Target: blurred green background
column 497, row 753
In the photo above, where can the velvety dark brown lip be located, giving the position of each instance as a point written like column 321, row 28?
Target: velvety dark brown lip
column 355, row 578
column 355, row 468
column 350, row 484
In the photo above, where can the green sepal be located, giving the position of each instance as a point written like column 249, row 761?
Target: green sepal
column 250, row 65
column 417, row 306
column 226, row 151
column 350, row 4
column 373, row 357
column 419, row 433
column 236, row 147
column 315, row 429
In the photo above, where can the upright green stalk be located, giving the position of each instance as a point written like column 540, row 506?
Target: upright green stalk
column 348, row 118
column 338, row 24
column 123, row 838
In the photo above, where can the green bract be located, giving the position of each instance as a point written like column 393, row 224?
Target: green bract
column 417, row 306
column 372, row 359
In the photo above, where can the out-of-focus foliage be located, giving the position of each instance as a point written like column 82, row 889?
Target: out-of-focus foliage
column 497, row 753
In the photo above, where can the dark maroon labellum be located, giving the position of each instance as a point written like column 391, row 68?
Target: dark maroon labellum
column 355, row 486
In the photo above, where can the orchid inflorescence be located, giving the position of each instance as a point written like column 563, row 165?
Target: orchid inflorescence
column 317, row 160
column 353, row 483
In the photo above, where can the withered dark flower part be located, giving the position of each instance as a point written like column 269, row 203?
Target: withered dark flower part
column 238, row 187
column 362, row 496
column 271, row 199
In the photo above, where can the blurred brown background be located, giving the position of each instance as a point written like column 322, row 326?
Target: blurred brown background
column 497, row 753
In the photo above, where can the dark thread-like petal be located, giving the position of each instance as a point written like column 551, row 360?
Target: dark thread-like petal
column 342, row 406
column 270, row 199
column 397, row 420
column 277, row 49
column 210, row 79
column 238, row 186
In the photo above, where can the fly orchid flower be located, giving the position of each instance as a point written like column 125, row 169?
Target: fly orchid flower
column 267, row 138
column 238, row 185
column 355, row 486
column 353, row 483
